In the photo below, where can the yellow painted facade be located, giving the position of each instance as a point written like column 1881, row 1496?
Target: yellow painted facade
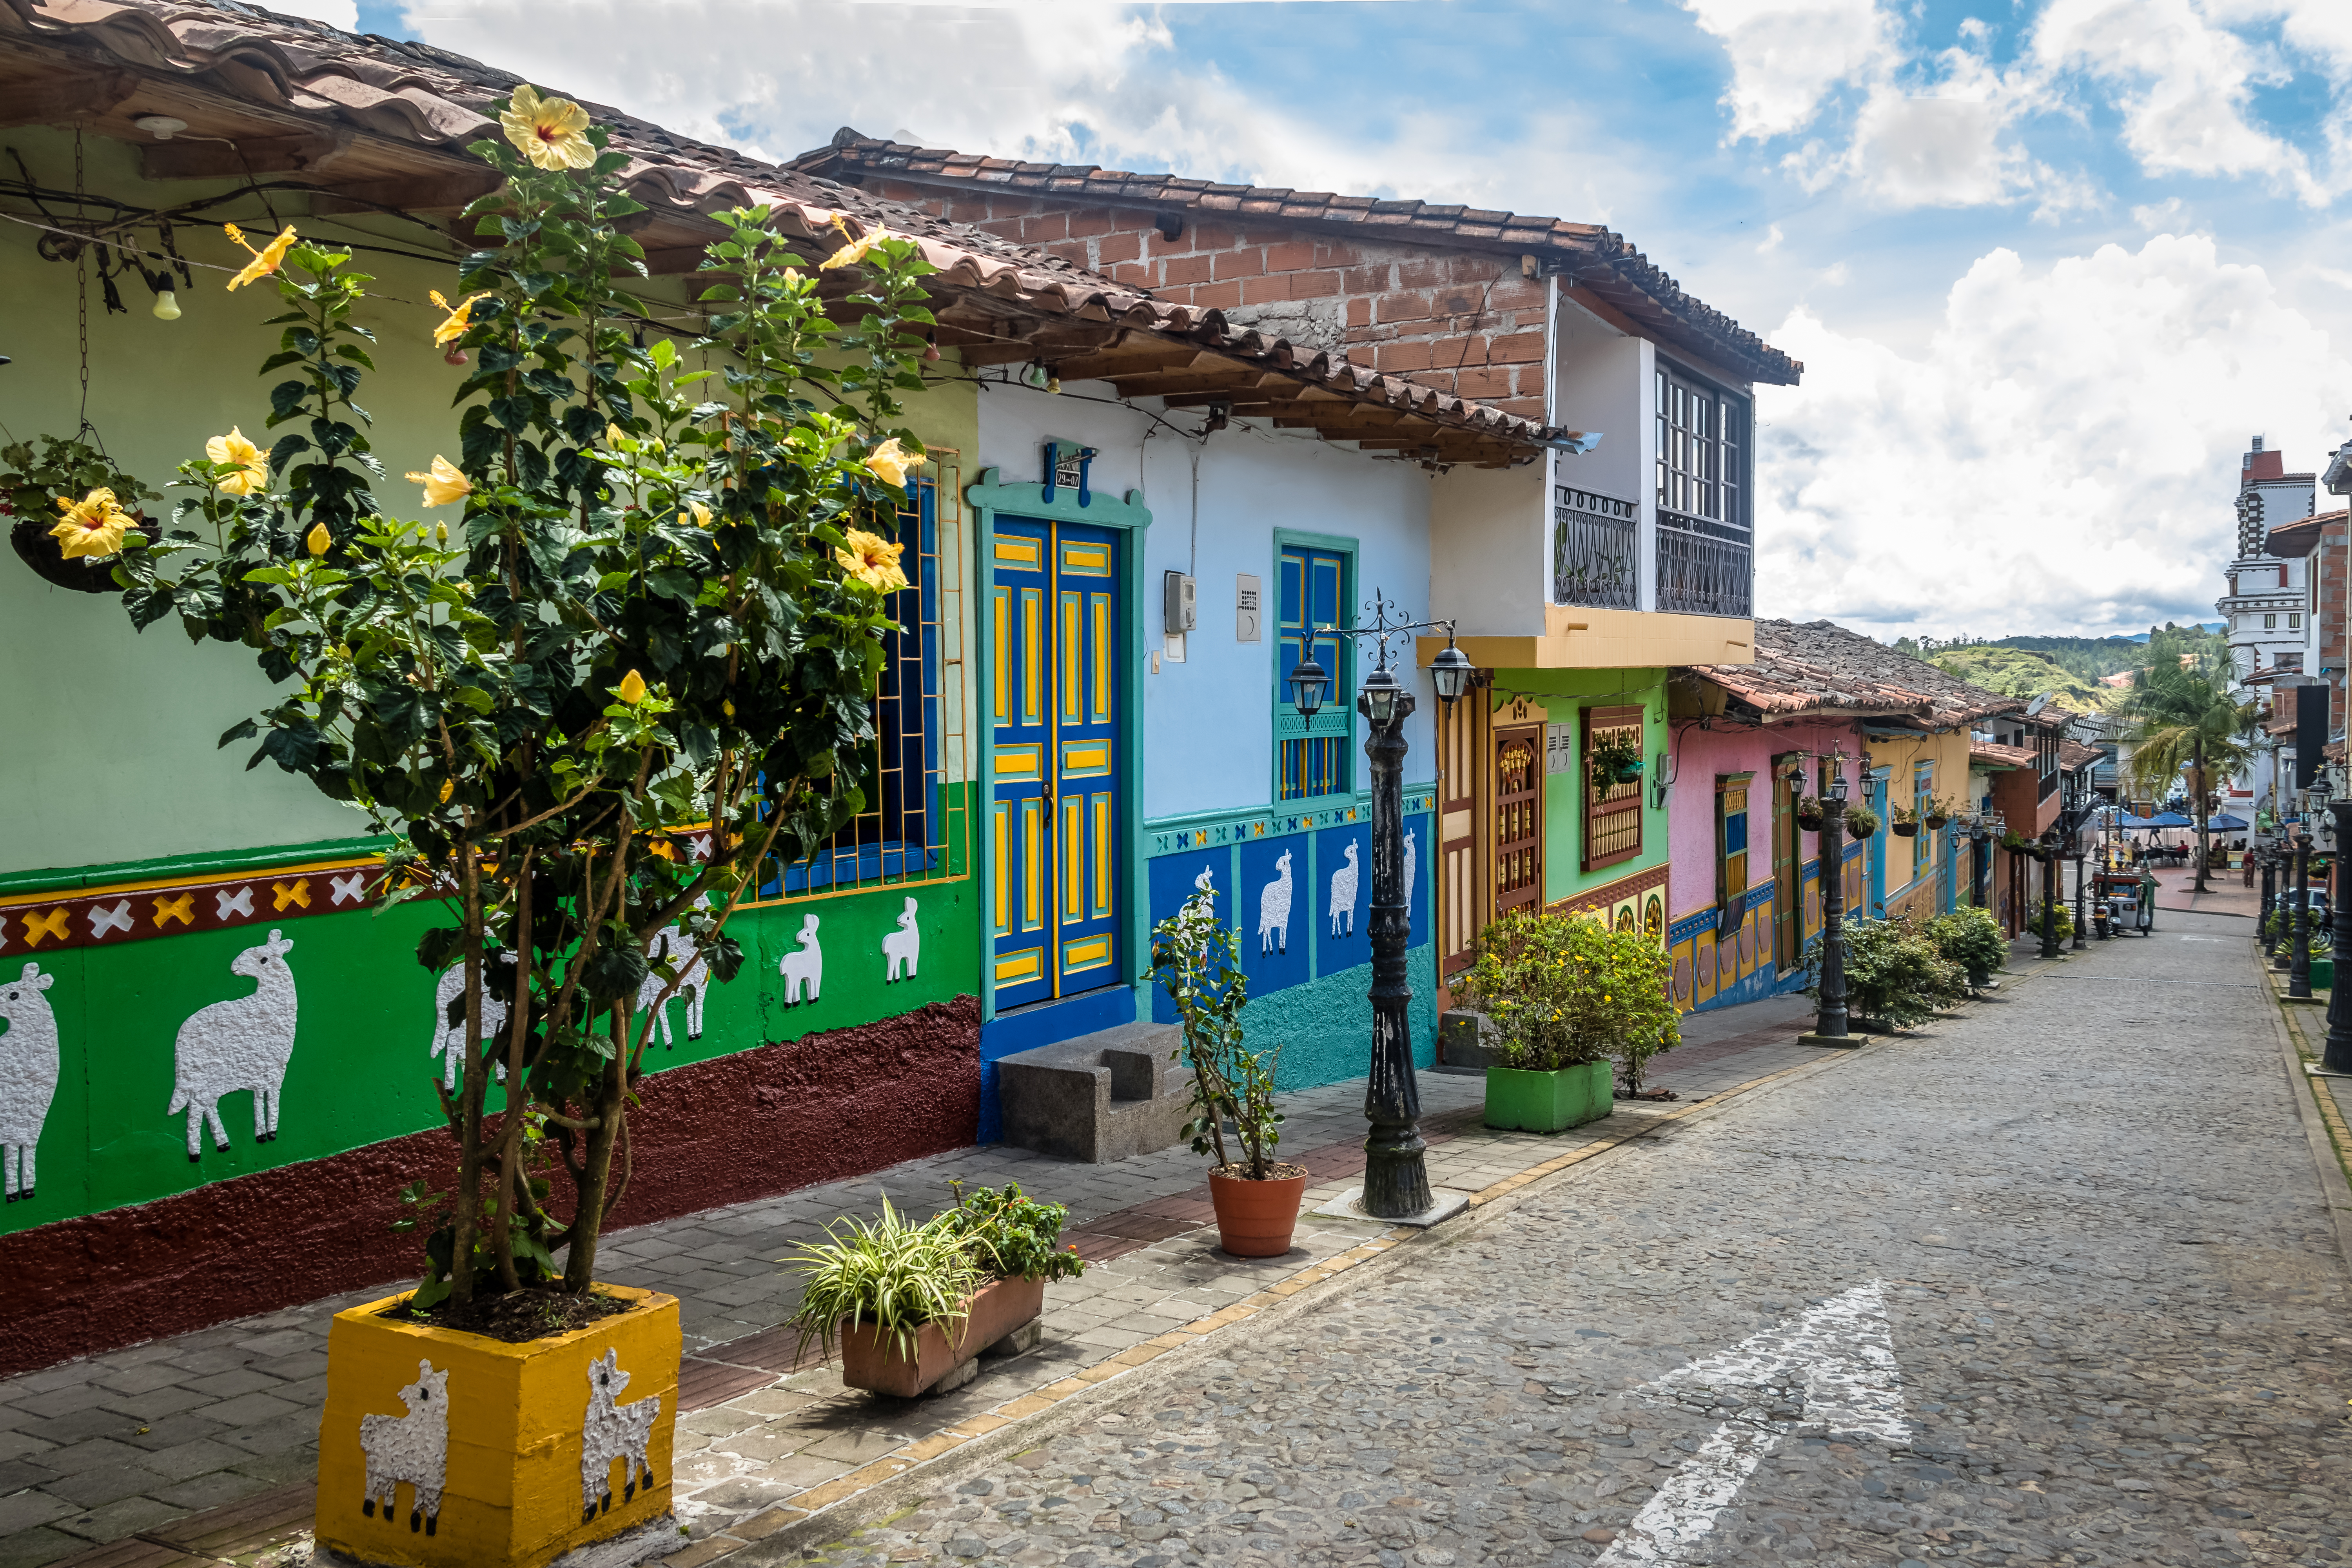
column 509, row 1425
column 1918, row 768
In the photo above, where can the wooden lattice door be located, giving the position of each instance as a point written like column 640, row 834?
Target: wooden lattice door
column 1518, row 819
column 1460, row 892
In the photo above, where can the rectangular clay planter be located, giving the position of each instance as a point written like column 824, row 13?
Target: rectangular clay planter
column 443, row 1449
column 1549, row 1101
column 873, row 1360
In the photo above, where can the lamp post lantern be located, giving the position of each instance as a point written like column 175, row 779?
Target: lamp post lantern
column 1396, row 1173
column 1830, row 1022
column 2338, row 1056
column 2298, row 972
column 2268, row 857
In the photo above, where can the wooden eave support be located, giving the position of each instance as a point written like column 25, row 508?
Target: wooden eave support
column 64, row 94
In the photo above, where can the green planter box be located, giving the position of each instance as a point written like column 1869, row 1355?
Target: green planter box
column 1549, row 1101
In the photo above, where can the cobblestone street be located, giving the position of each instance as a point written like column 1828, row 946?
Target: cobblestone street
column 2107, row 1265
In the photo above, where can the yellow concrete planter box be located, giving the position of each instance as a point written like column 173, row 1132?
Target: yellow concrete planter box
column 442, row 1449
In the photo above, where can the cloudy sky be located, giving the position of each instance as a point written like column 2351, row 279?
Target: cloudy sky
column 2049, row 263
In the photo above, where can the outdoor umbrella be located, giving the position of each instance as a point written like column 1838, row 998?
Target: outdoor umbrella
column 2170, row 819
column 2228, row 824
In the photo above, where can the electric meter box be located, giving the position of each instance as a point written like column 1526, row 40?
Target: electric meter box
column 1179, row 611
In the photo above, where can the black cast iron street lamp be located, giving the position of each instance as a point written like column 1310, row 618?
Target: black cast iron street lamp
column 1396, row 1174
column 2267, row 857
column 2337, row 1057
column 1830, row 1022
column 2298, row 973
column 2049, row 863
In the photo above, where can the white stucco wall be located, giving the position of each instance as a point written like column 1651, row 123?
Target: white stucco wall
column 1208, row 734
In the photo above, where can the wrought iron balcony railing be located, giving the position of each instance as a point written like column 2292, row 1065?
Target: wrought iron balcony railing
column 1704, row 567
column 1595, row 551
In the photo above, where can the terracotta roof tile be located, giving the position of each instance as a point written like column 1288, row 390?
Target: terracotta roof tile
column 1819, row 666
column 2003, row 756
column 1595, row 257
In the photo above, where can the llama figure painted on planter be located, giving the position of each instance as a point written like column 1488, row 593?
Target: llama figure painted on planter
column 1343, row 893
column 803, row 972
column 903, row 948
column 1274, row 910
column 613, row 1431
column 414, row 1448
column 242, row 1043
column 674, row 946
column 29, row 1075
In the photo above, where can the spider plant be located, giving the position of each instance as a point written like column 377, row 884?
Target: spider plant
column 893, row 1273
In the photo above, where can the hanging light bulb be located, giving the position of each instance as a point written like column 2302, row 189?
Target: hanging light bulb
column 167, row 309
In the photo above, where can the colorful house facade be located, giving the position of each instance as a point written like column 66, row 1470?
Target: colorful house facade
column 145, row 1202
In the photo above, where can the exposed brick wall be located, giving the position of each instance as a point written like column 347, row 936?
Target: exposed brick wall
column 1462, row 321
column 2328, row 583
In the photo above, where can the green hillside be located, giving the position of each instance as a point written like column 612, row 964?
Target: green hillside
column 2015, row 672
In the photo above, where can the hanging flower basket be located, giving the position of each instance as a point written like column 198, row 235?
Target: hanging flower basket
column 1860, row 822
column 1904, row 830
column 30, row 538
column 1809, row 813
column 1937, row 821
column 1628, row 771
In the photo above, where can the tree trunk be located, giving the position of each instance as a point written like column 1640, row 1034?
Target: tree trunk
column 510, row 1127
column 588, row 1218
column 2203, row 817
column 476, row 1068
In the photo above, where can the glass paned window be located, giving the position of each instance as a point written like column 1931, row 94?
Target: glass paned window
column 1613, row 810
column 1702, row 436
column 1313, row 758
column 1731, row 841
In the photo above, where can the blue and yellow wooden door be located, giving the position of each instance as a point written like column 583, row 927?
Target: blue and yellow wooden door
column 1053, row 708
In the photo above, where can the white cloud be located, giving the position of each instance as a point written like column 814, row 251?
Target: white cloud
column 2061, row 454
column 2183, row 84
column 1787, row 55
column 1771, row 241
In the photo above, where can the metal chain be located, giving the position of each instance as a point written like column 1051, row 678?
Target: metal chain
column 81, row 288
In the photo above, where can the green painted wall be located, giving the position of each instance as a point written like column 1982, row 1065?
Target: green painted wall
column 1563, row 692
column 112, row 756
column 362, row 1069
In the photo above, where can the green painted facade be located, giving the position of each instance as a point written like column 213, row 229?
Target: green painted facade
column 1563, row 692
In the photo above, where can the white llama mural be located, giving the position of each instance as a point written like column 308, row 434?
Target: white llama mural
column 613, row 1431
column 1274, row 910
column 803, row 972
column 448, row 1038
column 242, row 1043
column 29, row 1075
column 414, row 1448
column 902, row 949
column 1412, row 855
column 675, row 947
column 1343, row 893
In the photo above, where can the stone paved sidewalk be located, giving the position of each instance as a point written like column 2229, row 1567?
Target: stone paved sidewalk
column 124, row 1448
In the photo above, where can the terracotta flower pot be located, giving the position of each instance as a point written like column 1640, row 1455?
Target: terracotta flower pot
column 873, row 1360
column 1255, row 1219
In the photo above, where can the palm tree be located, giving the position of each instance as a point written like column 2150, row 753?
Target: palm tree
column 2187, row 718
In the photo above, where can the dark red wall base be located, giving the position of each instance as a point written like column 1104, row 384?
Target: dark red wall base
column 750, row 1125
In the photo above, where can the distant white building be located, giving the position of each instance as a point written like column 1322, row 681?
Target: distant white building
column 2269, row 599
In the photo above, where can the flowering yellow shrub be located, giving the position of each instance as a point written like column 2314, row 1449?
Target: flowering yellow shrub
column 1565, row 989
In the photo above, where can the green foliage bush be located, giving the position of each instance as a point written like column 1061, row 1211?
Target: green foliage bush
column 2059, row 916
column 1012, row 1235
column 1971, row 938
column 1197, row 960
column 1894, row 972
column 1565, row 989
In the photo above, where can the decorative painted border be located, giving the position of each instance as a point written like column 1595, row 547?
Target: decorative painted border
column 1616, row 892
column 1176, row 835
column 175, row 906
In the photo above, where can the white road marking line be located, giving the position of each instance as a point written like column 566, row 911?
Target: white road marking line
column 1842, row 1354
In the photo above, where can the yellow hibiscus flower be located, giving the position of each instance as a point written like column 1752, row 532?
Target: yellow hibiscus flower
column 890, row 464
column 461, row 317
column 700, row 513
column 264, row 261
column 873, row 561
column 319, row 540
column 443, row 483
column 552, row 133
column 252, row 475
column 632, row 690
column 855, row 251
column 93, row 525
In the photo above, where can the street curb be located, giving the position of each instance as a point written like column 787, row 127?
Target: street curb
column 886, row 1496
column 2324, row 1127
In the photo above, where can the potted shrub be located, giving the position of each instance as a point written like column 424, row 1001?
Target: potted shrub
column 1198, row 962
column 1903, row 822
column 510, row 696
column 908, row 1304
column 1895, row 976
column 1566, row 994
column 1615, row 759
column 2057, row 915
column 1971, row 938
column 1860, row 822
column 1807, row 813
column 1939, row 813
column 70, row 507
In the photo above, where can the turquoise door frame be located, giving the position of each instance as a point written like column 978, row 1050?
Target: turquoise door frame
column 1126, row 519
column 1884, row 805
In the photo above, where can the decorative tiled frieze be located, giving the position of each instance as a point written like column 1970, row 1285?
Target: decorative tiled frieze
column 134, row 911
column 1175, row 835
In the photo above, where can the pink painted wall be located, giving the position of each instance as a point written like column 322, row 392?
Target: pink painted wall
column 1702, row 754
